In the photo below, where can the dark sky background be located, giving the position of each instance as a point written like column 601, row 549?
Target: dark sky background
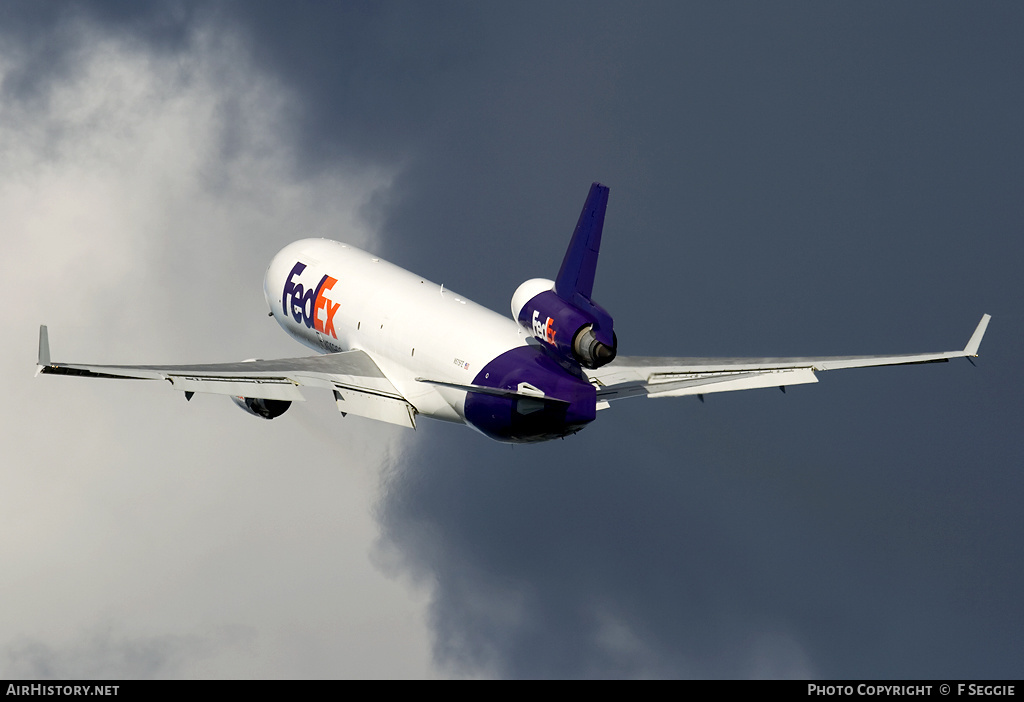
column 786, row 179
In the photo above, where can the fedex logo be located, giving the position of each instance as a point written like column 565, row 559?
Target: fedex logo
column 310, row 307
column 544, row 330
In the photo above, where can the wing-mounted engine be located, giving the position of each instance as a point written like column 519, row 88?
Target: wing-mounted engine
column 561, row 313
column 260, row 407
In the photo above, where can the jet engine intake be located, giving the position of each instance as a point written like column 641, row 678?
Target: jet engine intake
column 259, row 407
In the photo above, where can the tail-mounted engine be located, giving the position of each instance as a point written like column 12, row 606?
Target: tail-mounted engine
column 560, row 312
column 268, row 409
column 581, row 335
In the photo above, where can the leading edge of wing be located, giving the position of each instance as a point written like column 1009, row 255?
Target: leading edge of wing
column 629, row 376
column 277, row 379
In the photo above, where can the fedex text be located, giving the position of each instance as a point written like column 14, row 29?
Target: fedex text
column 544, row 330
column 309, row 306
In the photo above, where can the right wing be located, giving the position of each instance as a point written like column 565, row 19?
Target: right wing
column 632, row 376
column 358, row 384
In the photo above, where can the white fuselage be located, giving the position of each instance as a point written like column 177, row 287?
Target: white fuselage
column 399, row 345
column 411, row 327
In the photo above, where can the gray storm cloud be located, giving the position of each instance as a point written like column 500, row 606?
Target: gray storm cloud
column 142, row 194
column 785, row 180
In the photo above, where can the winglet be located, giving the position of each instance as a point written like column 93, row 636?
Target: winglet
column 576, row 276
column 972, row 346
column 44, row 346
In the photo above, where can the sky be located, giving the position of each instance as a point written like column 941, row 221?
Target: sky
column 786, row 179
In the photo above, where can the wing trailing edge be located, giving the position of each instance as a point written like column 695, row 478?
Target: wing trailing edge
column 632, row 376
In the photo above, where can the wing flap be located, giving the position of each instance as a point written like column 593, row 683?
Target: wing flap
column 680, row 384
column 264, row 388
column 731, row 381
column 393, row 410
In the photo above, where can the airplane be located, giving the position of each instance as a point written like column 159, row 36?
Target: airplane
column 394, row 347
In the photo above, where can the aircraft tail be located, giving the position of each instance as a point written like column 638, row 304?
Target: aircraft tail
column 576, row 276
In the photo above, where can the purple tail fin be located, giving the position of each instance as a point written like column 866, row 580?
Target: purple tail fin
column 576, row 276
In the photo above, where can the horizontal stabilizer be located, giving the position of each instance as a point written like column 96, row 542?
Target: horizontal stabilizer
column 484, row 390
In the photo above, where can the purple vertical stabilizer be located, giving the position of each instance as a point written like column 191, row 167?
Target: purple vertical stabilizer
column 575, row 281
column 576, row 276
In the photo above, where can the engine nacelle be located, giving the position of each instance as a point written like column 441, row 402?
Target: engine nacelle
column 259, row 407
column 582, row 333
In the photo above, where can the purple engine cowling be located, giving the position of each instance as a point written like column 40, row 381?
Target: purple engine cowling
column 584, row 336
column 541, row 390
column 568, row 404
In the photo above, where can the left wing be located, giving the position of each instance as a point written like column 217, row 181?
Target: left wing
column 358, row 384
column 631, row 376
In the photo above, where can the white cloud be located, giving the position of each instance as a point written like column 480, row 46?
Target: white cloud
column 141, row 197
